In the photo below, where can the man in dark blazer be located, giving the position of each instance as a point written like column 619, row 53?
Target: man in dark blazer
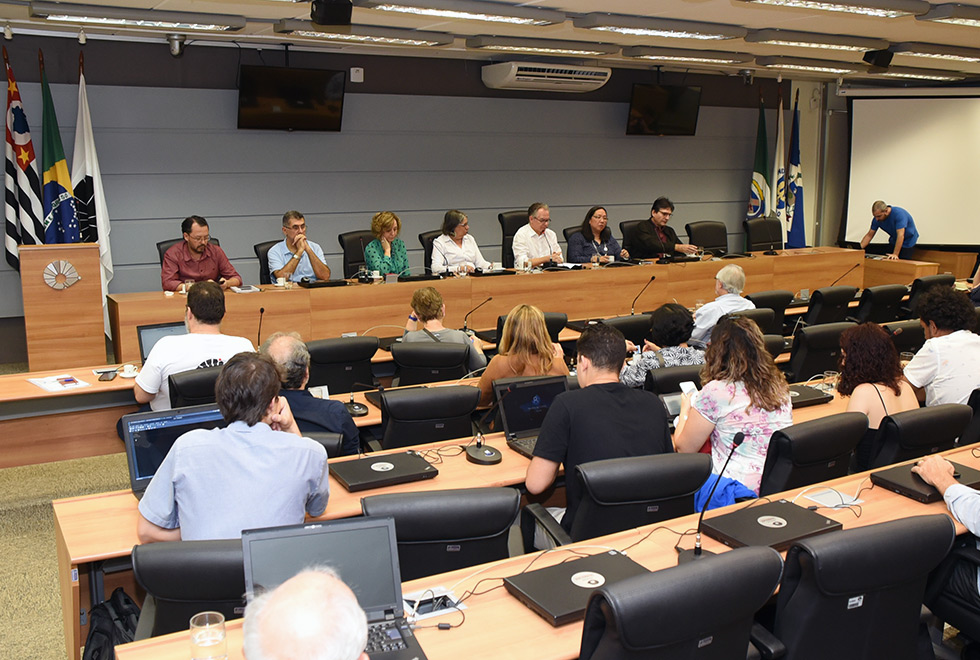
column 655, row 239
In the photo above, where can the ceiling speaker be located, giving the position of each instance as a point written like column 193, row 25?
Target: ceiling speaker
column 879, row 58
column 331, row 12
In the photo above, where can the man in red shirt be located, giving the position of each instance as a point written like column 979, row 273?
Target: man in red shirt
column 196, row 259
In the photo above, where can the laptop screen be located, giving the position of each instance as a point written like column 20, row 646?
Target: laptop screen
column 149, row 335
column 524, row 404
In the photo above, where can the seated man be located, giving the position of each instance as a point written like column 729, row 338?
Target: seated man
column 603, row 419
column 947, row 367
column 311, row 615
column 259, row 471
column 534, row 242
column 203, row 346
column 295, row 257
column 729, row 283
column 196, row 259
column 292, row 360
column 656, row 238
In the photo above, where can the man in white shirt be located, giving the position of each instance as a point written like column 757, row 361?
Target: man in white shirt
column 729, row 283
column 295, row 257
column 203, row 346
column 534, row 242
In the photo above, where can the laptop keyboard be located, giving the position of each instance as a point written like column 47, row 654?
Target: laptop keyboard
column 384, row 636
column 524, row 445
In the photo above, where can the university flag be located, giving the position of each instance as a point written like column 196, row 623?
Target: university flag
column 22, row 208
column 777, row 200
column 759, row 190
column 794, row 186
column 60, row 220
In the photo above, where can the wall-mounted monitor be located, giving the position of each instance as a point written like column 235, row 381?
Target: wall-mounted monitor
column 663, row 110
column 290, row 99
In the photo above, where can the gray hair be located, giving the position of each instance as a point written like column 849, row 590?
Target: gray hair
column 732, row 278
column 292, row 358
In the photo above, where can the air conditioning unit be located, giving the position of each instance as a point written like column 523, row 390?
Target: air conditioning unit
column 545, row 77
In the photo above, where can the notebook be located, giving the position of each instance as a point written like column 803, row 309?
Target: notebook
column 321, row 284
column 148, row 437
column 776, row 524
column 372, row 471
column 802, row 396
column 148, row 335
column 560, row 593
column 363, row 553
column 523, row 405
column 491, row 273
column 903, row 481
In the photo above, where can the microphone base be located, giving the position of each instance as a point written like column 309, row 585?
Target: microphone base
column 687, row 556
column 356, row 409
column 485, row 455
column 771, row 253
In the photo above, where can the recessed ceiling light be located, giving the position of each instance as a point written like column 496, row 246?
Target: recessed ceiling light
column 684, row 55
column 876, row 8
column 137, row 18
column 814, row 40
column 541, row 46
column 936, row 52
column 804, row 64
column 639, row 26
column 953, row 14
column 363, row 34
column 474, row 10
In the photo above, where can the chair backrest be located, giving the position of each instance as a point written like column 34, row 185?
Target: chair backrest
column 194, row 387
column 622, row 493
column 187, row 577
column 342, row 362
column 667, row 380
column 568, row 231
column 427, row 414
column 810, row 452
column 445, row 530
column 816, row 349
column 880, row 304
column 636, row 327
column 857, row 593
column 919, row 432
column 922, row 284
column 627, row 228
column 353, row 243
column 971, row 434
column 429, row 362
column 764, row 317
column 908, row 336
column 163, row 246
column 332, row 442
column 701, row 609
column 775, row 345
column 262, row 253
column 708, row 234
column 763, row 234
column 829, row 304
column 555, row 322
column 777, row 300
column 426, row 238
column 510, row 222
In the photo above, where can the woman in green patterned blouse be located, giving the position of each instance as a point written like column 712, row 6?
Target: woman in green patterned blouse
column 386, row 253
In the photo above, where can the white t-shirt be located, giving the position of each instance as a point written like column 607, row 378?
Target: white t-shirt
column 531, row 245
column 948, row 367
column 176, row 353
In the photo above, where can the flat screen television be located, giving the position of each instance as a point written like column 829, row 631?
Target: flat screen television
column 663, row 110
column 290, row 99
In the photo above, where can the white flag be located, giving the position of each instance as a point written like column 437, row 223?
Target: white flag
column 778, row 185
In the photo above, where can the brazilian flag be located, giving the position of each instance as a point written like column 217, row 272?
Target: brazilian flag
column 57, row 199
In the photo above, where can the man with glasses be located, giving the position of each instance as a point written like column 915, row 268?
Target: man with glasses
column 195, row 259
column 534, row 243
column 296, row 257
column 655, row 238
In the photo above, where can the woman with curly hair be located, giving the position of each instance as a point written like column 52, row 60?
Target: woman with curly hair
column 670, row 327
column 871, row 375
column 742, row 391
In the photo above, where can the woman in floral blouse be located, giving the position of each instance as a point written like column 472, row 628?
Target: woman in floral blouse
column 671, row 327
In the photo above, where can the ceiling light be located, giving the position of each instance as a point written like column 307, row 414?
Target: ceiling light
column 936, row 52
column 684, row 55
column 804, row 64
column 814, row 40
column 140, row 18
column 363, row 34
column 658, row 27
column 876, row 8
column 907, row 73
column 473, row 10
column 541, row 46
column 954, row 14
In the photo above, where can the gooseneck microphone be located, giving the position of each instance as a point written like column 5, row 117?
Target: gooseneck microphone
column 772, row 241
column 845, row 274
column 633, row 305
column 353, row 407
column 258, row 338
column 696, row 553
column 481, row 453
column 467, row 317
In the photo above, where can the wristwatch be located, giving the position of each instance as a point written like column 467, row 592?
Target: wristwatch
column 297, row 256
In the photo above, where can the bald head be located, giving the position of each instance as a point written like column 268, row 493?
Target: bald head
column 312, row 616
column 291, row 356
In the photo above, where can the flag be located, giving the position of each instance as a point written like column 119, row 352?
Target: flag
column 759, row 190
column 796, row 237
column 22, row 210
column 777, row 189
column 60, row 220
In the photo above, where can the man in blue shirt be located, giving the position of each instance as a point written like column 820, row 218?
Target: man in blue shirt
column 296, row 257
column 898, row 224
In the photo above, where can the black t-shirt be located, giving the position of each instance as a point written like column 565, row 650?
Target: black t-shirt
column 607, row 420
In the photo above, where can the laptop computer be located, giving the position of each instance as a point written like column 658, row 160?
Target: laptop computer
column 776, row 524
column 492, row 273
column 148, row 335
column 802, row 396
column 148, row 437
column 523, row 405
column 372, row 471
column 560, row 593
column 900, row 479
column 321, row 284
column 364, row 554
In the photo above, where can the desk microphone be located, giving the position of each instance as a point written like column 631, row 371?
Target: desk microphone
column 633, row 305
column 258, row 338
column 353, row 407
column 772, row 241
column 686, row 556
column 480, row 453
column 845, row 274
column 467, row 317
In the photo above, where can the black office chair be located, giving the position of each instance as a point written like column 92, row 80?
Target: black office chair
column 810, row 452
column 622, row 493
column 816, row 349
column 879, row 304
column 332, row 442
column 426, row 238
column 701, row 609
column 352, row 243
column 426, row 414
column 636, row 327
column 444, row 530
column 763, row 234
column 777, row 300
column 916, row 433
column 627, row 229
column 708, row 234
column 764, row 318
column 922, row 284
column 262, row 254
column 163, row 246
column 908, row 335
column 971, row 434
column 428, row 362
column 555, row 322
column 667, row 380
column 510, row 222
column 182, row 578
column 829, row 304
column 946, row 604
column 568, row 231
column 194, row 387
column 857, row 593
column 775, row 345
column 343, row 364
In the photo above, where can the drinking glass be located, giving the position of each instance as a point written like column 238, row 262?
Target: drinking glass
column 208, row 636
column 830, row 380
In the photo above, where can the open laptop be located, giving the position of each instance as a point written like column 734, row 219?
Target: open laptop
column 523, row 405
column 900, row 479
column 148, row 437
column 371, row 471
column 776, row 524
column 802, row 396
column 364, row 554
column 148, row 335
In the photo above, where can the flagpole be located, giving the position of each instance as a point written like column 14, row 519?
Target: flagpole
column 81, row 63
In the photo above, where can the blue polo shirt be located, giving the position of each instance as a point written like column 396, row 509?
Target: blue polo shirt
column 899, row 218
column 279, row 254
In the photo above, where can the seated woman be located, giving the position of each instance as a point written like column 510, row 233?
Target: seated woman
column 743, row 391
column 671, row 327
column 595, row 243
column 524, row 349
column 456, row 250
column 386, row 253
column 871, row 375
column 425, row 324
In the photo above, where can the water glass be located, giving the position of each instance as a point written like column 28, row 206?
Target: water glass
column 830, row 380
column 905, row 357
column 208, row 640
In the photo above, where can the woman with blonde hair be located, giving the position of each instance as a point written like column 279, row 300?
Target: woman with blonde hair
column 742, row 392
column 523, row 349
column 386, row 253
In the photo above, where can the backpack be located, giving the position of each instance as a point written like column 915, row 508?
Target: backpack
column 111, row 622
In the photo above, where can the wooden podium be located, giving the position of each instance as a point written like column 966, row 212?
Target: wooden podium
column 62, row 289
